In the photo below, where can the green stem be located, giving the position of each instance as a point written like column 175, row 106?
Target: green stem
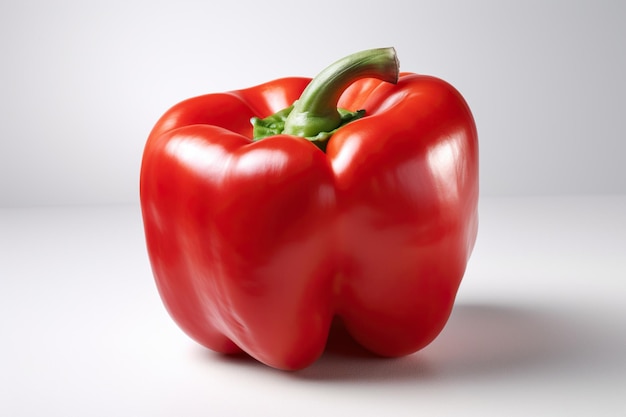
column 316, row 109
column 315, row 115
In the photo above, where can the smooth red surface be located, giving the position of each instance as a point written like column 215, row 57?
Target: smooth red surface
column 256, row 246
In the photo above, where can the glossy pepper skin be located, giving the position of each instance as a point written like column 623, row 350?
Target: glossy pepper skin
column 257, row 245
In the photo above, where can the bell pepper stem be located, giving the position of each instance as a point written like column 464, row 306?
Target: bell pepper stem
column 316, row 109
column 315, row 116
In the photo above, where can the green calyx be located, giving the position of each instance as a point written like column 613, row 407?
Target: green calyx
column 275, row 125
column 315, row 116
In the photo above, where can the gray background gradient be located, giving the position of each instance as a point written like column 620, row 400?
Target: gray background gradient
column 82, row 83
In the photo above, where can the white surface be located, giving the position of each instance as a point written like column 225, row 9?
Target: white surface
column 539, row 327
column 83, row 82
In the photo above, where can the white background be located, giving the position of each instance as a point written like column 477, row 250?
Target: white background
column 82, row 82
column 540, row 324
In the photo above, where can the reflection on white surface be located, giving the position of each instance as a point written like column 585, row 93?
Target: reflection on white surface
column 539, row 324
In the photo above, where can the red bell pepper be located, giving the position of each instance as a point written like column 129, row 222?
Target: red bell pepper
column 352, row 196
